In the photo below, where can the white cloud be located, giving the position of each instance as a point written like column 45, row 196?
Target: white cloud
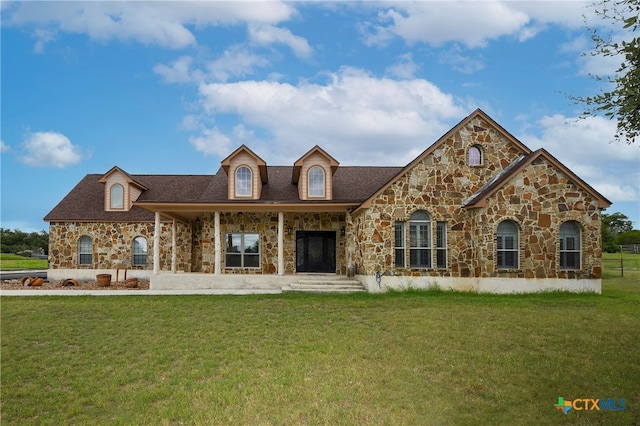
column 157, row 23
column 4, row 147
column 584, row 146
column 470, row 23
column 212, row 142
column 178, row 72
column 392, row 121
column 404, row 68
column 49, row 149
column 234, row 62
column 269, row 34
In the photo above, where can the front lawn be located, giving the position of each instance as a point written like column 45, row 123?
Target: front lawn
column 438, row 358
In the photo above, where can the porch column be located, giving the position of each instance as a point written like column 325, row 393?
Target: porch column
column 216, row 230
column 173, row 247
column 156, row 245
column 280, row 243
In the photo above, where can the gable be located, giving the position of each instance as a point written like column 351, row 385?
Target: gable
column 447, row 158
column 546, row 174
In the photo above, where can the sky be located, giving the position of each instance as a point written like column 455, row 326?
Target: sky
column 159, row 87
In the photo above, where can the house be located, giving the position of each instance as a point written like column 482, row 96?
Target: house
column 477, row 210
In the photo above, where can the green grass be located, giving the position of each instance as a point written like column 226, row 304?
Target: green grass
column 14, row 262
column 434, row 357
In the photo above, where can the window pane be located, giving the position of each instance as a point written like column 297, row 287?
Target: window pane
column 251, row 261
column 233, row 260
column 85, row 249
column 569, row 245
column 251, row 243
column 400, row 258
column 117, row 197
column 399, row 234
column 234, row 242
column 475, row 156
column 243, row 181
column 316, row 182
column 507, row 245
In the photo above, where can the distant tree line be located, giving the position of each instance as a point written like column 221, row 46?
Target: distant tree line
column 16, row 241
column 617, row 230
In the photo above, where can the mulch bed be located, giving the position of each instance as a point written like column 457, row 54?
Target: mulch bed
column 82, row 285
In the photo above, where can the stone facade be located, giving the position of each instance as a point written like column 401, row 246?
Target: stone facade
column 538, row 199
column 113, row 245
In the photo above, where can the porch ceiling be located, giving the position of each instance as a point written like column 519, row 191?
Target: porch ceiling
column 187, row 212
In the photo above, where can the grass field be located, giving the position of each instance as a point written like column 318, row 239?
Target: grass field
column 14, row 262
column 415, row 358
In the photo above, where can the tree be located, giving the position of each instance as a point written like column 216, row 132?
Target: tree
column 16, row 241
column 617, row 223
column 623, row 101
column 628, row 237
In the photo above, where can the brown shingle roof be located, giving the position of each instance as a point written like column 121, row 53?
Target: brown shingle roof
column 85, row 202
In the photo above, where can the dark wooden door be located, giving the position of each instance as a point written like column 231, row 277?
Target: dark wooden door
column 316, row 251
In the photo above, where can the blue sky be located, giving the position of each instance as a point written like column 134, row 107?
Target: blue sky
column 174, row 87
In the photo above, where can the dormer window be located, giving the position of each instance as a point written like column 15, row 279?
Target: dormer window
column 316, row 182
column 243, row 181
column 120, row 189
column 117, row 196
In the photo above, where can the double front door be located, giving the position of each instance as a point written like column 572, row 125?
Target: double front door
column 316, row 251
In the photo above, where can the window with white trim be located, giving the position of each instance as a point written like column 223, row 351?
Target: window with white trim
column 85, row 250
column 242, row 251
column 399, row 244
column 117, row 196
column 507, row 245
column 139, row 251
column 569, row 245
column 441, row 245
column 316, row 181
column 243, row 181
column 420, row 240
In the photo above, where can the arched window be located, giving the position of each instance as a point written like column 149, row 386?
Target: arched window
column 507, row 245
column 475, row 156
column 85, row 250
column 139, row 251
column 569, row 245
column 316, row 182
column 243, row 181
column 117, row 196
column 420, row 240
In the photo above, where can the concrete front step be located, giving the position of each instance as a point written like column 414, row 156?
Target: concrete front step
column 325, row 286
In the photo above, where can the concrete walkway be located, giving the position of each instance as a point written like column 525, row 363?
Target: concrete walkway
column 237, row 292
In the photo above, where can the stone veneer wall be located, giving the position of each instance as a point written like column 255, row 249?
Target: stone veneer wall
column 113, row 244
column 539, row 199
column 265, row 224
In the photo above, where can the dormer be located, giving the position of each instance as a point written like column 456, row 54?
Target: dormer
column 246, row 174
column 120, row 190
column 313, row 173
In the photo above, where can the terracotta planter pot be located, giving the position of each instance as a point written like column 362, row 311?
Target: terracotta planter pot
column 70, row 282
column 103, row 280
column 37, row 282
column 131, row 283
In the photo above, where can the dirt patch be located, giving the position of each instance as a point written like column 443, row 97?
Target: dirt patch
column 82, row 285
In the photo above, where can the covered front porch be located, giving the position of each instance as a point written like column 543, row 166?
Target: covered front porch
column 250, row 246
